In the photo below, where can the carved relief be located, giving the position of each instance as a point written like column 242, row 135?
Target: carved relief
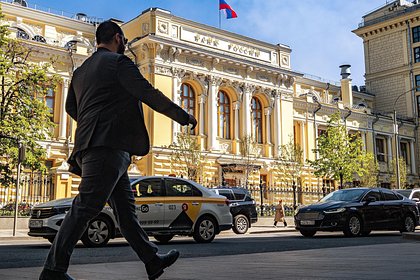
column 214, row 80
column 163, row 71
column 195, row 62
column 231, row 70
column 285, row 60
column 263, row 78
column 175, row 31
column 145, row 28
column 163, row 27
column 178, row 73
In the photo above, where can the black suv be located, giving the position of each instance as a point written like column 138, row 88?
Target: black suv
column 242, row 207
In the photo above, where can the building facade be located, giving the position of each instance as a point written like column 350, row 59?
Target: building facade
column 391, row 40
column 236, row 87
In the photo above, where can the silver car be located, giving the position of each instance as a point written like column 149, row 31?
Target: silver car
column 165, row 206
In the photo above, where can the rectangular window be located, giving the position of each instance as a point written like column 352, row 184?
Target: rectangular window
column 417, row 82
column 418, row 103
column 416, row 34
column 380, row 149
column 417, row 55
column 405, row 152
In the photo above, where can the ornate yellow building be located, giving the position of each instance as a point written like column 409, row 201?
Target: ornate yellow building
column 234, row 85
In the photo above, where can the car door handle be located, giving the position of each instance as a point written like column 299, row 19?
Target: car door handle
column 195, row 203
column 159, row 204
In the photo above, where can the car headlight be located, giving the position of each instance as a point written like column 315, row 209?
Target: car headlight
column 335, row 211
column 62, row 210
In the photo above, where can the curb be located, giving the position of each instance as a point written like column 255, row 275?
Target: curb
column 411, row 235
column 273, row 231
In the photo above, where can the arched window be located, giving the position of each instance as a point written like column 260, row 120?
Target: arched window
column 257, row 120
column 39, row 38
column 223, row 115
column 188, row 99
column 21, row 34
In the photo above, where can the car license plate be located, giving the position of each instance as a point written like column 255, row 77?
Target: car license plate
column 307, row 223
column 35, row 224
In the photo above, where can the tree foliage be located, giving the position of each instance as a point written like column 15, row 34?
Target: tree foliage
column 23, row 112
column 186, row 157
column 403, row 172
column 289, row 163
column 369, row 174
column 250, row 154
column 340, row 155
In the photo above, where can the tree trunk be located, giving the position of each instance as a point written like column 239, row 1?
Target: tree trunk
column 341, row 181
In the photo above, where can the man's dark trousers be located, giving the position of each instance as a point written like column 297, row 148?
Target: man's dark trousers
column 104, row 178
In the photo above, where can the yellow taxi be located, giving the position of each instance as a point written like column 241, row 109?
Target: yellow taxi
column 165, row 206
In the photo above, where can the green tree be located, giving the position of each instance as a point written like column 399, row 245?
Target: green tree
column 369, row 174
column 340, row 155
column 403, row 172
column 23, row 112
column 289, row 164
column 250, row 154
column 186, row 157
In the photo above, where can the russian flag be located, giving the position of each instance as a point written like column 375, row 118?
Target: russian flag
column 230, row 13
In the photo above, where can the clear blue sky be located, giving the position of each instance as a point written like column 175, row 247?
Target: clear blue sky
column 318, row 31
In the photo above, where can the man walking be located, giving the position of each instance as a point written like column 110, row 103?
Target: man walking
column 105, row 99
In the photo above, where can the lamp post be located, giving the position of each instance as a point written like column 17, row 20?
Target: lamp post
column 397, row 148
column 261, row 195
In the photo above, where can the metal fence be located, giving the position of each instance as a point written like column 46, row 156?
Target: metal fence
column 35, row 187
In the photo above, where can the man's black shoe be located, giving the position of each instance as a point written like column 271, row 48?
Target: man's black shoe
column 156, row 266
column 47, row 274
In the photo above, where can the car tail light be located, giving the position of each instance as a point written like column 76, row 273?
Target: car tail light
column 227, row 202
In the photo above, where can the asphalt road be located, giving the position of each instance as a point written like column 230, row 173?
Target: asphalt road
column 33, row 253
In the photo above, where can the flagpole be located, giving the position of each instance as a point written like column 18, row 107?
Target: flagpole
column 220, row 20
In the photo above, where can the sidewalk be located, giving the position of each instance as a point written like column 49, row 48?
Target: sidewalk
column 358, row 262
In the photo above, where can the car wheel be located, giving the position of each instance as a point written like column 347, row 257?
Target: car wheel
column 409, row 224
column 163, row 238
column 353, row 227
column 204, row 230
column 307, row 232
column 98, row 233
column 240, row 224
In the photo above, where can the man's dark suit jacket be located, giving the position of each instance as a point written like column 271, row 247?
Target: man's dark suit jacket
column 105, row 99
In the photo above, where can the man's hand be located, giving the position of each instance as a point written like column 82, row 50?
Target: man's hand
column 192, row 121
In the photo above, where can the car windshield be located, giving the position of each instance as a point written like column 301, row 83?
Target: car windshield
column 344, row 195
column 405, row 193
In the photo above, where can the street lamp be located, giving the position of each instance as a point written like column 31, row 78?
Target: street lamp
column 261, row 195
column 397, row 148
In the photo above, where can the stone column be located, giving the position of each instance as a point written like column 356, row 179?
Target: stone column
column 413, row 158
column 236, row 107
column 303, row 139
column 389, row 152
column 176, row 98
column 212, row 143
column 277, row 124
column 246, row 109
column 267, row 113
column 363, row 134
column 63, row 114
column 201, row 123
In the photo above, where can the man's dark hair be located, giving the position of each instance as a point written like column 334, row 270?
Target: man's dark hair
column 106, row 30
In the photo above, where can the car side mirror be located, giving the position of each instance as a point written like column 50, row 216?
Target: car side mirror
column 415, row 199
column 370, row 199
